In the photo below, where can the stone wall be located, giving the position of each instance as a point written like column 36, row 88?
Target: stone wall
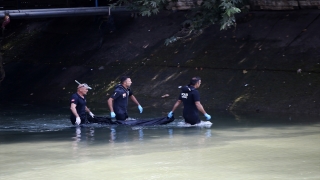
column 182, row 4
column 256, row 4
column 284, row 4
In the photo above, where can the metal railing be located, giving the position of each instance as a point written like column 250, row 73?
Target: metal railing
column 35, row 4
column 60, row 12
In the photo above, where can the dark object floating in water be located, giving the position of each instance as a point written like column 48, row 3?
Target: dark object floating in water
column 136, row 122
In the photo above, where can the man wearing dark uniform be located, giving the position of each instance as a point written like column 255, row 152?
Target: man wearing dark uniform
column 191, row 101
column 78, row 105
column 118, row 101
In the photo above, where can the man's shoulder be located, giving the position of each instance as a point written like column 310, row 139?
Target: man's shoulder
column 195, row 91
column 118, row 90
column 74, row 95
column 74, row 98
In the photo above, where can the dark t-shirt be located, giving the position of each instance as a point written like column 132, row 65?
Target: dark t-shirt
column 189, row 95
column 81, row 105
column 120, row 97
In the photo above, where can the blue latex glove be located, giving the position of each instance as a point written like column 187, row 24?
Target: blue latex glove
column 140, row 109
column 113, row 115
column 170, row 114
column 207, row 116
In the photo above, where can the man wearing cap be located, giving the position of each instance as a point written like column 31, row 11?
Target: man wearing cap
column 191, row 101
column 78, row 105
column 118, row 101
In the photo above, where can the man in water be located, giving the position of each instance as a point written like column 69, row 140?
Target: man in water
column 118, row 101
column 191, row 101
column 78, row 105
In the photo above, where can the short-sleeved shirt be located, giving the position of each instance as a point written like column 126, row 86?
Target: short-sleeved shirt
column 120, row 99
column 189, row 95
column 81, row 104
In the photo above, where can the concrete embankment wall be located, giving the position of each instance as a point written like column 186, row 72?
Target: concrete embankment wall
column 284, row 4
column 258, row 4
column 253, row 67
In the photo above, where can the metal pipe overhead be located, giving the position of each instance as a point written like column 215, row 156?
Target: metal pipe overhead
column 60, row 12
column 57, row 9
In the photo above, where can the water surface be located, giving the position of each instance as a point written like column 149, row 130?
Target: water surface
column 41, row 143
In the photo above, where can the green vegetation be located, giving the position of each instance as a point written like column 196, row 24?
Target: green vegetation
column 206, row 13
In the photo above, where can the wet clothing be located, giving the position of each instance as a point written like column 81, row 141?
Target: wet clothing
column 81, row 108
column 121, row 116
column 189, row 95
column 120, row 101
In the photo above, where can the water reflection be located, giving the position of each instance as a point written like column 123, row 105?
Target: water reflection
column 140, row 134
column 170, row 132
column 124, row 133
column 76, row 140
column 113, row 134
column 78, row 134
column 249, row 146
column 208, row 133
column 118, row 134
column 91, row 134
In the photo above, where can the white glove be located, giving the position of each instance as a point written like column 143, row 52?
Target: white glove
column 91, row 114
column 78, row 120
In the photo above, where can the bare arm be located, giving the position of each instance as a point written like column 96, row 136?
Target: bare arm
column 134, row 99
column 176, row 105
column 200, row 107
column 74, row 110
column 87, row 109
column 110, row 104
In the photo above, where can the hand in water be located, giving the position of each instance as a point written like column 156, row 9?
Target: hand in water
column 91, row 114
column 207, row 116
column 170, row 114
column 140, row 109
column 112, row 115
column 78, row 120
